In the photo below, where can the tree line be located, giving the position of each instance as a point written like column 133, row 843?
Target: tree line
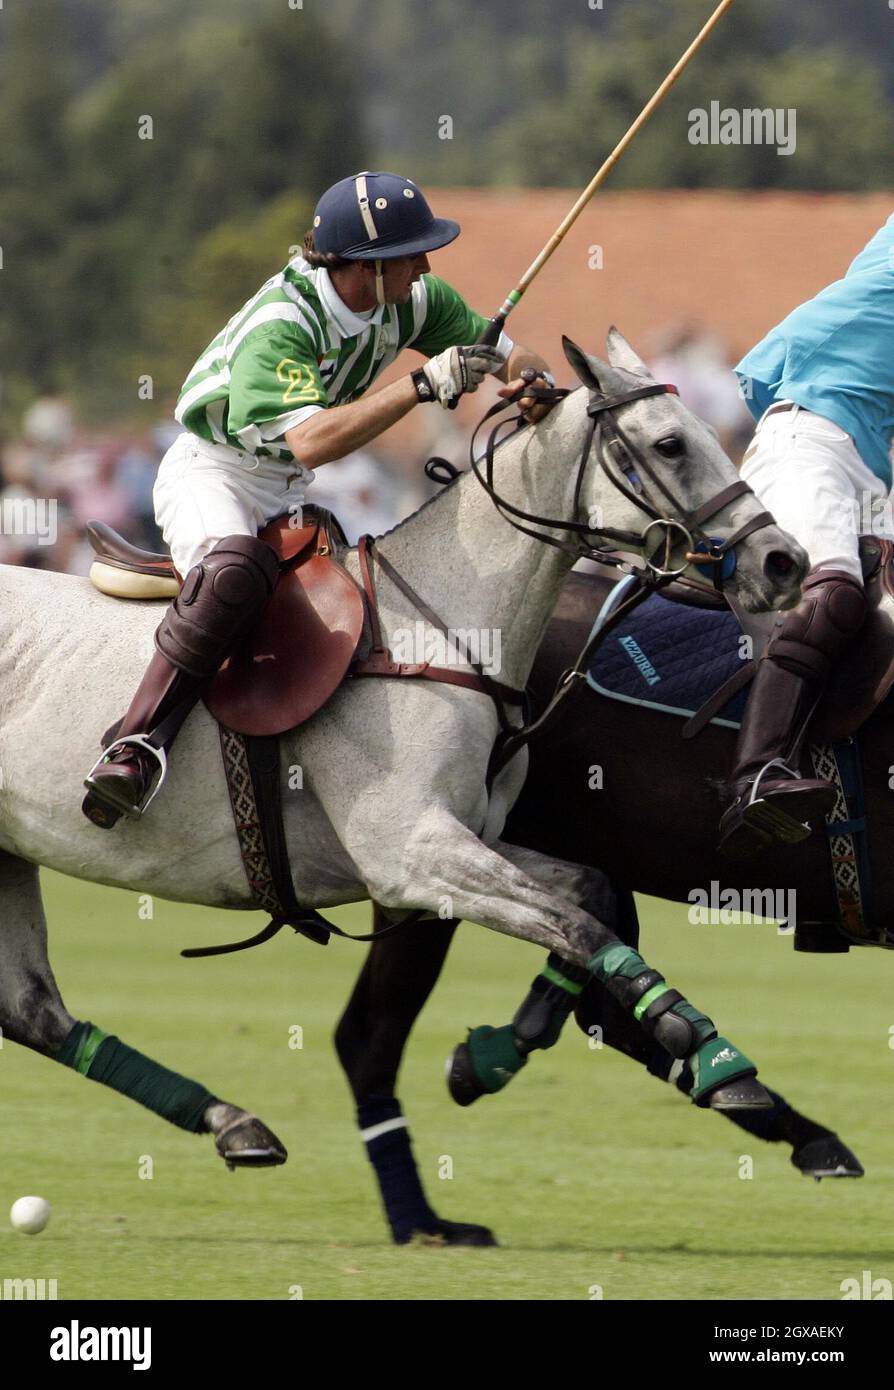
column 157, row 160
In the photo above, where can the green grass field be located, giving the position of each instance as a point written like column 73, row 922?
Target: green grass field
column 590, row 1172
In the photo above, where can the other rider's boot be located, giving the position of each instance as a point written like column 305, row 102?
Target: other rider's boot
column 221, row 600
column 770, row 800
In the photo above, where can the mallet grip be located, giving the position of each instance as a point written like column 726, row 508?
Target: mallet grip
column 491, row 335
column 489, row 338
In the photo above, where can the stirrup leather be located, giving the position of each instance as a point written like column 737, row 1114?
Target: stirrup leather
column 121, row 745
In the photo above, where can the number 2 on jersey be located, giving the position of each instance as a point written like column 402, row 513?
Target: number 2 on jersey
column 301, row 383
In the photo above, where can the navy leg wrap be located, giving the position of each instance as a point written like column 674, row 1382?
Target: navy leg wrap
column 384, row 1131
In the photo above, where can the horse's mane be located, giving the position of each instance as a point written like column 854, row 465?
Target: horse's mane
column 435, row 497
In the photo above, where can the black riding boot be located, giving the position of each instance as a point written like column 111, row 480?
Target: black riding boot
column 770, row 800
column 222, row 598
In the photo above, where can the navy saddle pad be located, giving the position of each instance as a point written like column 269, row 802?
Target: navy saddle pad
column 669, row 656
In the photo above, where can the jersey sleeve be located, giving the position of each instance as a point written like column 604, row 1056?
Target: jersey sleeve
column 449, row 322
column 275, row 383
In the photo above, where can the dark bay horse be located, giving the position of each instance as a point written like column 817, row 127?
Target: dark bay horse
column 633, row 830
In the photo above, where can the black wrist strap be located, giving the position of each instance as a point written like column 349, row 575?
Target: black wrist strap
column 424, row 389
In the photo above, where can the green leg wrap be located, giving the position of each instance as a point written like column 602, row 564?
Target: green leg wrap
column 714, row 1064
column 617, row 960
column 663, row 1013
column 680, row 1029
column 495, row 1057
column 543, row 1014
column 498, row 1053
column 104, row 1058
column 702, row 1027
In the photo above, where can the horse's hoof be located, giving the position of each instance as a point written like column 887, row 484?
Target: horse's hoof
column 827, row 1157
column 246, row 1142
column 455, row 1233
column 742, row 1093
column 462, row 1081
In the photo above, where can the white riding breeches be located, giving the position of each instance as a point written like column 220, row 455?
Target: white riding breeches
column 808, row 473
column 205, row 492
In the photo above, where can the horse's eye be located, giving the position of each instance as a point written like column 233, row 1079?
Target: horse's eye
column 671, row 446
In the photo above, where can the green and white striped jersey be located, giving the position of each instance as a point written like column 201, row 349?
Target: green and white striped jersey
column 295, row 347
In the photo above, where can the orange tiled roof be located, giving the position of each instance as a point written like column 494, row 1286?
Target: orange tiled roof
column 735, row 262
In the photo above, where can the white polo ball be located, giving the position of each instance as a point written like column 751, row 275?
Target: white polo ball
column 30, row 1214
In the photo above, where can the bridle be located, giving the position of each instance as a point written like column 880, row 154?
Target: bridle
column 625, row 470
column 625, row 466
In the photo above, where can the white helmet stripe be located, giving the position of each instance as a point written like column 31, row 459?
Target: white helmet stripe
column 365, row 213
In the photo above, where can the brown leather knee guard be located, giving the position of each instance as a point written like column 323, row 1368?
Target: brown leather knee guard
column 813, row 635
column 222, row 597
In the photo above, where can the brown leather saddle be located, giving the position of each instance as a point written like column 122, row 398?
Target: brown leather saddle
column 305, row 641
column 311, row 634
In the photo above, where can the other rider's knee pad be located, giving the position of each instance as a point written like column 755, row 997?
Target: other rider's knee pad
column 813, row 635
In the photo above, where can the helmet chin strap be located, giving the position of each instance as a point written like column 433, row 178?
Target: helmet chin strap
column 369, row 223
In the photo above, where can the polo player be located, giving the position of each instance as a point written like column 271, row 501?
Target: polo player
column 279, row 392
column 822, row 383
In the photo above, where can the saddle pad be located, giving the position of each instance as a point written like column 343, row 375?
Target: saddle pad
column 669, row 656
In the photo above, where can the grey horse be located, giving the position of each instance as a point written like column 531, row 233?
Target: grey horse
column 395, row 803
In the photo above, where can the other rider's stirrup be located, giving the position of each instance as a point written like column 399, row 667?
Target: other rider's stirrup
column 771, row 801
column 769, row 816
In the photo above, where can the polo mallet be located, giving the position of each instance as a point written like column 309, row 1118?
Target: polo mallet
column 495, row 327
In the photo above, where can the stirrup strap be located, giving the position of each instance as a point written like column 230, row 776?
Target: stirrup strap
column 721, row 696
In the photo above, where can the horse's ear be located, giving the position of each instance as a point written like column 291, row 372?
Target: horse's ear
column 587, row 369
column 621, row 354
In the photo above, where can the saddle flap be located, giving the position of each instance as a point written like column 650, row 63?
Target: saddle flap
column 301, row 649
column 860, row 682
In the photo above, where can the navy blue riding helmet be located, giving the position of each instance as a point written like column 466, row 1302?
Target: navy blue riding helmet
column 377, row 216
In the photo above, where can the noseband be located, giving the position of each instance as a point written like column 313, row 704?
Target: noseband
column 626, row 467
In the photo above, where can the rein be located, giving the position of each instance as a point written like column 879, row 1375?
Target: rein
column 606, row 433
column 702, row 550
column 716, row 558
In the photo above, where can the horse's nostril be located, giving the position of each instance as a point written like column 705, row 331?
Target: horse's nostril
column 779, row 565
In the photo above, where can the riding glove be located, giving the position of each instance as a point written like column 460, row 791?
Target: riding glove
column 456, row 371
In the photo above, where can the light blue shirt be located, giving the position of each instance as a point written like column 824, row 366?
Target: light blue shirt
column 834, row 355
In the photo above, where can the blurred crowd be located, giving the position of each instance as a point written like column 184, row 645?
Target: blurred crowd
column 697, row 362
column 56, row 474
